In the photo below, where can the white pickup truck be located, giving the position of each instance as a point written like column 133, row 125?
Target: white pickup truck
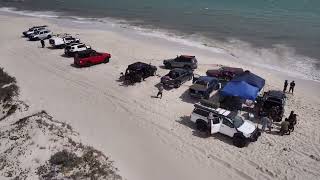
column 61, row 40
column 225, row 122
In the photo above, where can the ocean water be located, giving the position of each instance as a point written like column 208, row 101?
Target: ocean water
column 283, row 34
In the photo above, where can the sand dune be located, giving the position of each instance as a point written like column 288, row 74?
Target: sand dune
column 147, row 137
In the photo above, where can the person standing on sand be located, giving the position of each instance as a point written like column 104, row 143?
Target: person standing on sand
column 292, row 85
column 266, row 122
column 42, row 43
column 285, row 86
column 160, row 89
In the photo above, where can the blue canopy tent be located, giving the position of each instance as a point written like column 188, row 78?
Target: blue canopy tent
column 251, row 79
column 240, row 89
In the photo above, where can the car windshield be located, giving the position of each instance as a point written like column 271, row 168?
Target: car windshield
column 238, row 121
column 200, row 82
column 173, row 74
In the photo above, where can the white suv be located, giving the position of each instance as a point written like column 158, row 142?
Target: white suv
column 43, row 34
column 72, row 49
column 61, row 40
column 33, row 29
column 225, row 122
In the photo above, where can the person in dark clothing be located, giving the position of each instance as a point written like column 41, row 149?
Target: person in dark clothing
column 284, row 128
column 292, row 85
column 160, row 89
column 42, row 43
column 285, row 86
column 291, row 115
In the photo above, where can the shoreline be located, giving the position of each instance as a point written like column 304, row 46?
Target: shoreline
column 146, row 137
column 272, row 58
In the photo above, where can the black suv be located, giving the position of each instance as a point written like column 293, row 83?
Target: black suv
column 176, row 77
column 138, row 71
column 272, row 103
column 183, row 61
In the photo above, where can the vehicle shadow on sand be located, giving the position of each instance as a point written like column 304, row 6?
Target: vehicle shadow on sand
column 185, row 97
column 65, row 56
column 185, row 120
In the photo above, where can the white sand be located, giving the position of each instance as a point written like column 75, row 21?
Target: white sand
column 150, row 138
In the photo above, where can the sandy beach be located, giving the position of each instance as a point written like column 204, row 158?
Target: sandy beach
column 148, row 138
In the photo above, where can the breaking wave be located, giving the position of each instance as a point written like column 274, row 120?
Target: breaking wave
column 279, row 57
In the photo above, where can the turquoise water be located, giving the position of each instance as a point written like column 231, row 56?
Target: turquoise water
column 294, row 24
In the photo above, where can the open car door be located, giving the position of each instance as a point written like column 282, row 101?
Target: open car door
column 215, row 125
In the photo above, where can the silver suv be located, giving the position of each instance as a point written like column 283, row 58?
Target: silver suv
column 33, row 30
column 43, row 34
column 183, row 61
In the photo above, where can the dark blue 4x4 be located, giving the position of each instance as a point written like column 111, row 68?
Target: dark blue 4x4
column 203, row 87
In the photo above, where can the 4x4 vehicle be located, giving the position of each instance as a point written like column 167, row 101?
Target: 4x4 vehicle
column 225, row 122
column 203, row 87
column 61, row 40
column 42, row 34
column 272, row 103
column 33, row 30
column 176, row 77
column 74, row 48
column 90, row 57
column 183, row 61
column 224, row 73
column 138, row 71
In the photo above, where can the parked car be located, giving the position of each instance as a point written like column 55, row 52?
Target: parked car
column 90, row 57
column 272, row 103
column 139, row 71
column 33, row 30
column 225, row 122
column 176, row 77
column 42, row 34
column 61, row 40
column 183, row 61
column 74, row 48
column 203, row 87
column 225, row 73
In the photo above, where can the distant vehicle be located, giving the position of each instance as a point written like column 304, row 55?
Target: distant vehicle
column 74, row 48
column 139, row 71
column 33, row 30
column 90, row 57
column 176, row 77
column 225, row 122
column 183, row 61
column 273, row 103
column 42, row 34
column 61, row 40
column 203, row 87
column 225, row 73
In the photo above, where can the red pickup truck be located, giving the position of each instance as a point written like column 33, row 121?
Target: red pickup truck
column 90, row 57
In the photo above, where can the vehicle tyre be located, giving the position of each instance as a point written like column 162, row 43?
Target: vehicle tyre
column 49, row 36
column 139, row 78
column 106, row 60
column 178, row 84
column 239, row 140
column 201, row 126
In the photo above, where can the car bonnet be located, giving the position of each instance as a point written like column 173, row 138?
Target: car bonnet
column 247, row 128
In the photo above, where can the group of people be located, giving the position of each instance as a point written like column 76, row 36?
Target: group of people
column 286, row 126
column 291, row 88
